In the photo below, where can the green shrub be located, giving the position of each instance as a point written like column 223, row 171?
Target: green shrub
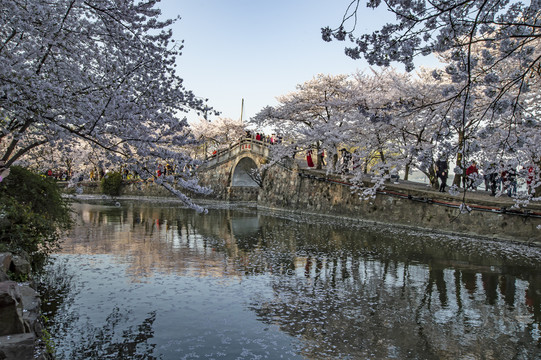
column 111, row 184
column 33, row 214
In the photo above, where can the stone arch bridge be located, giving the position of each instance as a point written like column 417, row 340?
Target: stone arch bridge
column 231, row 172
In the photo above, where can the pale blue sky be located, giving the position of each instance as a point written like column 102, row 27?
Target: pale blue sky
column 258, row 50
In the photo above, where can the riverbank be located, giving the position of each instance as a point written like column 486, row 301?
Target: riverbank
column 22, row 332
column 403, row 203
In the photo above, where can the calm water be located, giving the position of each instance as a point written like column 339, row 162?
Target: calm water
column 143, row 280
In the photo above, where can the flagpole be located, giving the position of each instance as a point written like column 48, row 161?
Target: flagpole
column 241, row 110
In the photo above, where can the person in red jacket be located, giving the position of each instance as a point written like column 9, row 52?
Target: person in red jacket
column 309, row 160
column 471, row 174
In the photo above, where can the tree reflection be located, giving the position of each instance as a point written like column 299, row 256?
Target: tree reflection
column 392, row 299
column 347, row 291
column 109, row 342
column 373, row 318
column 365, row 293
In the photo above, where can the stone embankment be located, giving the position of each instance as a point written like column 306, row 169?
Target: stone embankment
column 291, row 187
column 21, row 329
column 404, row 204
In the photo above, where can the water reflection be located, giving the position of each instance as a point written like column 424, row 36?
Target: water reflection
column 238, row 283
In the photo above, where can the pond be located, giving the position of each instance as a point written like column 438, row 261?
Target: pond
column 153, row 280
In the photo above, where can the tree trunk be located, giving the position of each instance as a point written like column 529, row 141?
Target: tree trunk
column 433, row 178
column 407, row 172
column 458, row 177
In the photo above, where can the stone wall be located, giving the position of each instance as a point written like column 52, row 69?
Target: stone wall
column 304, row 190
column 21, row 328
column 243, row 193
column 218, row 178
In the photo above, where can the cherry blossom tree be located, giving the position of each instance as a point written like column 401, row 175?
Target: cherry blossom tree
column 218, row 133
column 423, row 27
column 314, row 116
column 492, row 51
column 370, row 115
column 494, row 118
column 391, row 121
column 77, row 158
column 99, row 71
column 398, row 128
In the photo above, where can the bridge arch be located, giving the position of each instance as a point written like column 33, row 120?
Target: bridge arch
column 241, row 173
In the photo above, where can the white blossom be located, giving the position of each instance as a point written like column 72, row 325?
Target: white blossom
column 93, row 77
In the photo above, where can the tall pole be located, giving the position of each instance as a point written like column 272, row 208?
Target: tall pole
column 241, row 110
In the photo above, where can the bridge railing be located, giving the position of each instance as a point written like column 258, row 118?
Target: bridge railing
column 244, row 145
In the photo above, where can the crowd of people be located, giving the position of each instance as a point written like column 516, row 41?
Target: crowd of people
column 344, row 164
column 496, row 178
column 62, row 175
column 259, row 136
